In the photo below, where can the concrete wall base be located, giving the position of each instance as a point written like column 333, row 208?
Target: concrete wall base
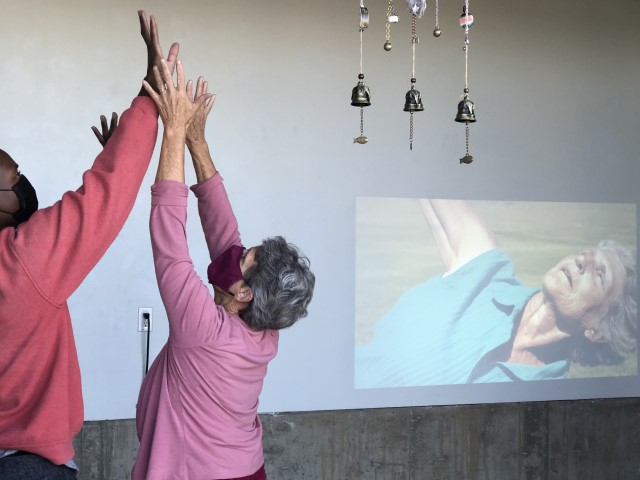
column 567, row 440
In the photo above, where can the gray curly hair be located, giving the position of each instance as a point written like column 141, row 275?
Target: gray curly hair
column 282, row 286
column 619, row 327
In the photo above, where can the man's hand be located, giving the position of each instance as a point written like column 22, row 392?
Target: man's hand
column 104, row 136
column 149, row 32
column 195, row 132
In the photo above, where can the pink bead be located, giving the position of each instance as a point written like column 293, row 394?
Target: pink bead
column 466, row 21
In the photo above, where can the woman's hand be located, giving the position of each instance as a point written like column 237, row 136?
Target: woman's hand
column 176, row 105
column 195, row 132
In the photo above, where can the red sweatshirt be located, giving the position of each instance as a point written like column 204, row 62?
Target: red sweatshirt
column 42, row 262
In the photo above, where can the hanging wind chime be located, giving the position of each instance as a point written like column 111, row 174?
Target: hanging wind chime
column 413, row 102
column 436, row 31
column 391, row 18
column 466, row 110
column 361, row 95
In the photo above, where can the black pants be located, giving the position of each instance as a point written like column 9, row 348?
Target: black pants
column 28, row 466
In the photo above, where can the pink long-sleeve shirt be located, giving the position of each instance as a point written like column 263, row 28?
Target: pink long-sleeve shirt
column 197, row 411
column 42, row 262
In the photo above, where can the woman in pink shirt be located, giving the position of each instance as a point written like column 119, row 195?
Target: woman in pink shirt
column 197, row 411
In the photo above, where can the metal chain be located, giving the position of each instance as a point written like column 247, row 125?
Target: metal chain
column 466, row 69
column 467, row 124
column 388, row 26
column 361, row 121
column 414, row 40
column 411, row 131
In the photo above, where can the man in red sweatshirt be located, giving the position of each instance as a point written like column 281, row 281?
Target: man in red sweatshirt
column 44, row 256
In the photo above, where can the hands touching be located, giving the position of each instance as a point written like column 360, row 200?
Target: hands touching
column 104, row 136
column 149, row 32
column 183, row 114
column 177, row 107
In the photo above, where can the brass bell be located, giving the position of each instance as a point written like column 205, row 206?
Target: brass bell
column 466, row 111
column 360, row 95
column 412, row 102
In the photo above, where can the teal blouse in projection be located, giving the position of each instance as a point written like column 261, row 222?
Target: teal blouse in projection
column 452, row 330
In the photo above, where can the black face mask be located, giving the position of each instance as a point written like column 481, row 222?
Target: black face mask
column 27, row 199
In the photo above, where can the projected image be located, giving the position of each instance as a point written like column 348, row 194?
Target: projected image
column 454, row 292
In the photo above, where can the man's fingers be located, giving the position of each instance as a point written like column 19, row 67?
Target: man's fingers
column 144, row 26
column 114, row 122
column 98, row 135
column 153, row 36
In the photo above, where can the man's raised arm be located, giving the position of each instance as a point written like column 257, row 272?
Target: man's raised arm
column 65, row 241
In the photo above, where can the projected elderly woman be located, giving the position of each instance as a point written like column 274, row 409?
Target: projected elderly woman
column 478, row 323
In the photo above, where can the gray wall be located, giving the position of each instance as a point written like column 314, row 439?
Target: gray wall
column 555, row 86
column 570, row 440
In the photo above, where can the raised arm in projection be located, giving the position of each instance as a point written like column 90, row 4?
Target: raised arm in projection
column 460, row 233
